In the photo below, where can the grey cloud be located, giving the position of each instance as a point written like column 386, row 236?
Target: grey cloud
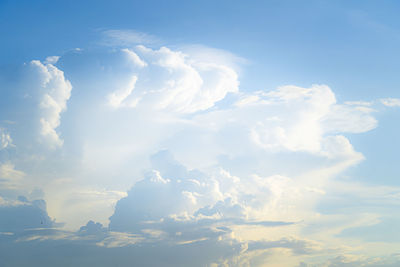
column 51, row 247
column 92, row 228
column 23, row 214
column 349, row 261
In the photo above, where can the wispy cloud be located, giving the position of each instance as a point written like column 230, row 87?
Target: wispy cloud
column 126, row 38
column 391, row 102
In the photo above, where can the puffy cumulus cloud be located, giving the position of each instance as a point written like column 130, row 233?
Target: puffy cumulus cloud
column 54, row 92
column 92, row 228
column 295, row 125
column 169, row 189
column 177, row 217
column 172, row 191
column 297, row 119
column 173, row 81
column 267, row 216
column 173, row 203
column 39, row 95
column 266, row 160
column 154, row 99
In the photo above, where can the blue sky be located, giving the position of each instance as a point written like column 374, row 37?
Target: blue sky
column 201, row 133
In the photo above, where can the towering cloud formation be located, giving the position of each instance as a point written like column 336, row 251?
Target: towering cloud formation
column 53, row 92
column 222, row 176
column 40, row 95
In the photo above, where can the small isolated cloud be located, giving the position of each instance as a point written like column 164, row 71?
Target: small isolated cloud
column 5, row 139
column 391, row 102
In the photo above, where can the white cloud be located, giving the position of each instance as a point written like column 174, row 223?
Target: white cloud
column 54, row 93
column 349, row 119
column 172, row 81
column 10, row 178
column 267, row 158
column 5, row 139
column 117, row 98
column 134, row 58
column 126, row 38
column 290, row 118
column 52, row 60
column 172, row 191
column 391, row 102
column 76, row 204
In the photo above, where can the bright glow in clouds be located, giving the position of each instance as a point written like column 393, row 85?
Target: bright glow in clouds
column 180, row 84
column 54, row 93
column 157, row 157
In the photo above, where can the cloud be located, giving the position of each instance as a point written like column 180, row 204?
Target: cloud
column 117, row 98
column 391, row 102
column 19, row 215
column 39, row 97
column 5, row 139
column 169, row 189
column 237, row 179
column 92, row 228
column 52, row 60
column 126, row 38
column 136, row 60
column 176, row 201
column 54, row 92
column 196, row 245
column 172, row 81
column 76, row 204
column 351, row 260
column 297, row 119
column 10, row 178
column 350, row 118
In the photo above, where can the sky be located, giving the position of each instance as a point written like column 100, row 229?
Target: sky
column 199, row 133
